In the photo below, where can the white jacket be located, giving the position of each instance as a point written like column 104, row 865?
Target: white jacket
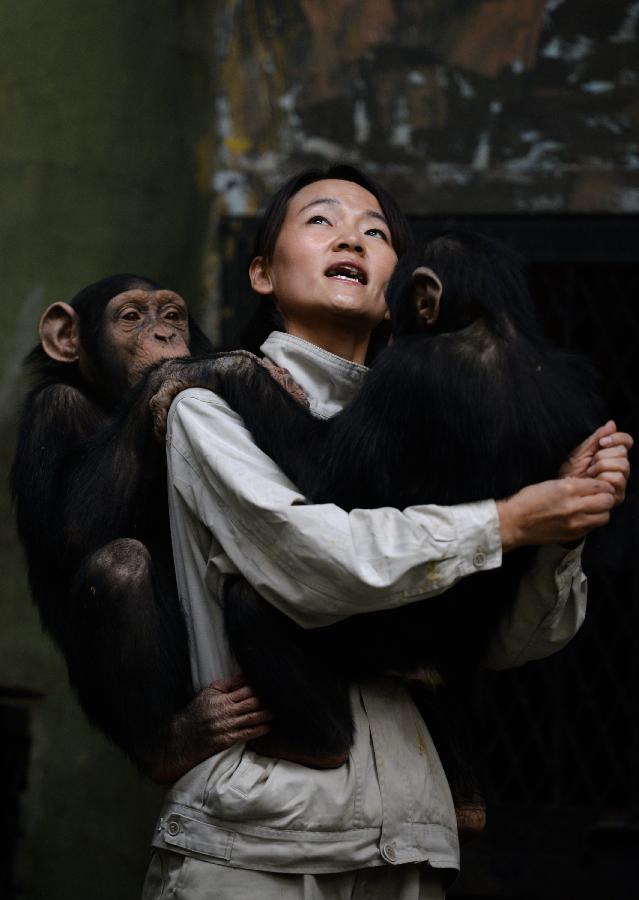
column 232, row 510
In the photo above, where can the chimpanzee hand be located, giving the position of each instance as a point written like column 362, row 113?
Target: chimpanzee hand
column 176, row 375
column 604, row 455
column 555, row 512
column 225, row 712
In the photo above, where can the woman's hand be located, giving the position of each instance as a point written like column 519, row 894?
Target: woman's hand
column 555, row 512
column 604, row 455
column 224, row 713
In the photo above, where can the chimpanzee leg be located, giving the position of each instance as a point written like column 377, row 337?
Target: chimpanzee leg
column 285, row 664
column 126, row 647
column 449, row 717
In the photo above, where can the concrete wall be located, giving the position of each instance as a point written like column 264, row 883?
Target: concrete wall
column 104, row 166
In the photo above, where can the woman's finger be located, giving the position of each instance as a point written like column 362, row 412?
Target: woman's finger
column 617, row 439
column 616, row 464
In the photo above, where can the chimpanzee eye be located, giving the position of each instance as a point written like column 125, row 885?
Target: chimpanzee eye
column 131, row 315
column 173, row 314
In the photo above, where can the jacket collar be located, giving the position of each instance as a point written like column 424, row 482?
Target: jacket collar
column 328, row 381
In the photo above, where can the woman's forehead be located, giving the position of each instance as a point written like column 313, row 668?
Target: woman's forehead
column 334, row 192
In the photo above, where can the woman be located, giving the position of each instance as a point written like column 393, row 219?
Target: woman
column 383, row 824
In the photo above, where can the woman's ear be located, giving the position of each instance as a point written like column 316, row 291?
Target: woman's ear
column 60, row 332
column 260, row 276
column 428, row 293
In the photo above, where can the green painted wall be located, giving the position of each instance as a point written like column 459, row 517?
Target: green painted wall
column 104, row 166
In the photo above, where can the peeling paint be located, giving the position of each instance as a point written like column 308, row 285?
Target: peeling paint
column 402, row 130
column 597, row 87
column 614, row 126
column 628, row 200
column 328, row 150
column 361, row 122
column 497, row 33
column 551, row 7
column 434, row 103
column 541, row 157
column 570, row 51
column 234, row 193
column 466, row 89
column 481, row 158
column 628, row 29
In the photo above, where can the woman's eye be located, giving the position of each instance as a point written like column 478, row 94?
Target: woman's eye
column 378, row 232
column 318, row 220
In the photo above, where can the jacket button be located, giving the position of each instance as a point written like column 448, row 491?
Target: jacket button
column 388, row 852
column 479, row 559
column 173, row 828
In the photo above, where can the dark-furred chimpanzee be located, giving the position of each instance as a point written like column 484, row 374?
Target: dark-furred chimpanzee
column 468, row 402
column 89, row 486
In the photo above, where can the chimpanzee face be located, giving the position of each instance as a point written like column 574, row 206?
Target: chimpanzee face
column 143, row 327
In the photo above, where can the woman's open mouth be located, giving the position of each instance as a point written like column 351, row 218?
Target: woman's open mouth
column 347, row 272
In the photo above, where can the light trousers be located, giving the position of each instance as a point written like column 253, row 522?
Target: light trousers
column 175, row 877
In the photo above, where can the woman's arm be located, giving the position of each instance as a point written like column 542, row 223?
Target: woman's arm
column 319, row 564
column 551, row 602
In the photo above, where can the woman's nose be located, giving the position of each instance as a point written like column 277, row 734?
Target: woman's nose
column 353, row 244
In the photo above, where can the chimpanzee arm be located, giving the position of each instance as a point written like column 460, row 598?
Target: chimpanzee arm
column 117, row 622
column 271, row 404
column 56, row 421
column 78, row 481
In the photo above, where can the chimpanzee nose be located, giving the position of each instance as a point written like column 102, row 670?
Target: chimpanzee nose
column 165, row 335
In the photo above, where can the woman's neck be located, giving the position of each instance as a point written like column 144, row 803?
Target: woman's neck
column 336, row 340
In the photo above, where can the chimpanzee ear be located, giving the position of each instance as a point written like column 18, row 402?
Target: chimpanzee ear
column 428, row 293
column 260, row 276
column 60, row 332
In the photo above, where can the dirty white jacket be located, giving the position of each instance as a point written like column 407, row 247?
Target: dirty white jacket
column 232, row 510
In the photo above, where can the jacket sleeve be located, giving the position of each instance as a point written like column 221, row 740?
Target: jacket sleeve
column 317, row 563
column 549, row 610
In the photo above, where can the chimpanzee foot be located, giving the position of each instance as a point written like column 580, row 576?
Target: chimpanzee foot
column 471, row 819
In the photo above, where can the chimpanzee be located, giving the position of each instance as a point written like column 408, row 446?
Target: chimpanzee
column 89, row 487
column 468, row 402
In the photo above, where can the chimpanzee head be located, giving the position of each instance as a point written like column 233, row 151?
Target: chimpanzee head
column 457, row 278
column 115, row 329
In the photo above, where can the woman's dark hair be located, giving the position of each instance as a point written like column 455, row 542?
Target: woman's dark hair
column 266, row 317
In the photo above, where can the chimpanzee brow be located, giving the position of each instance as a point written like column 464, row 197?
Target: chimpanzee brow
column 140, row 295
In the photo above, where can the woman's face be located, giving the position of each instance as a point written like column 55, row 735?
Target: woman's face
column 332, row 259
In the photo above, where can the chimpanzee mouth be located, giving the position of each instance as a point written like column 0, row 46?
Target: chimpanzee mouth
column 347, row 272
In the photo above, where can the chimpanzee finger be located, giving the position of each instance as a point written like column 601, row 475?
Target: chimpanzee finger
column 260, row 717
column 229, row 685
column 241, row 693
column 249, row 734
column 251, row 704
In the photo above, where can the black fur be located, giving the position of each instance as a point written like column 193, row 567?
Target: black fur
column 88, row 481
column 477, row 406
